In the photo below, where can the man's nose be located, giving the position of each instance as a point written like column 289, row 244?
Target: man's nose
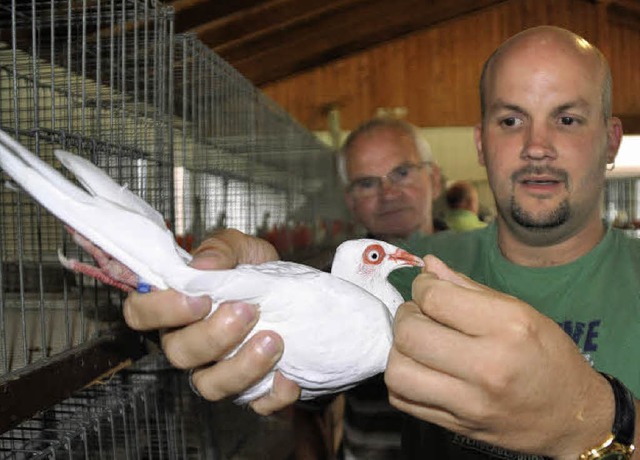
column 538, row 143
column 388, row 186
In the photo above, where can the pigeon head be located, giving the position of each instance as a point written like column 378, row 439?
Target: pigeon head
column 368, row 262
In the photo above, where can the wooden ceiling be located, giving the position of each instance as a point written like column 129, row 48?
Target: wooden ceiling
column 268, row 40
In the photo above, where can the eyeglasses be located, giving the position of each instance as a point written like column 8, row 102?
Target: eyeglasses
column 400, row 176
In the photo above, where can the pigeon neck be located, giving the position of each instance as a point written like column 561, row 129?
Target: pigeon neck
column 376, row 286
column 388, row 294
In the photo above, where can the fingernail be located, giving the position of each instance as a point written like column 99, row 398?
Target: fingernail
column 267, row 346
column 246, row 312
column 200, row 306
column 203, row 260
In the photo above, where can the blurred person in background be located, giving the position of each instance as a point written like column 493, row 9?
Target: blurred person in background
column 463, row 207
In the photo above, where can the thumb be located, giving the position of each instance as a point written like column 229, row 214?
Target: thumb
column 212, row 254
column 437, row 267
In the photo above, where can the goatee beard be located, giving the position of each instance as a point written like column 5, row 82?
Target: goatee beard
column 553, row 219
column 550, row 220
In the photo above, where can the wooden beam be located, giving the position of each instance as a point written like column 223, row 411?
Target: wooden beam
column 631, row 5
column 624, row 12
column 266, row 19
column 22, row 394
column 192, row 15
column 630, row 123
column 326, row 37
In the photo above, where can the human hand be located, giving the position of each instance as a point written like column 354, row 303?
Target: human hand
column 487, row 365
column 191, row 340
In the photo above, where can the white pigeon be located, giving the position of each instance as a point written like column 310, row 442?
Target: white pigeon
column 335, row 332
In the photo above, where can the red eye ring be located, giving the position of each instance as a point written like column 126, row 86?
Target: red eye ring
column 373, row 254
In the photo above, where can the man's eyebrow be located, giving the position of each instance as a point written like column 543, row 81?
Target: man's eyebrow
column 577, row 104
column 502, row 105
column 363, row 178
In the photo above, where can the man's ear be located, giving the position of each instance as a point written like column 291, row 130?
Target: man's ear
column 477, row 139
column 614, row 138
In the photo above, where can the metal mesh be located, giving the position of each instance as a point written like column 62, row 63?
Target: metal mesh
column 164, row 116
column 92, row 80
column 145, row 412
column 240, row 160
column 621, row 207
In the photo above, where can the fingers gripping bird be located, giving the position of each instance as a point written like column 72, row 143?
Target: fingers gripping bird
column 336, row 327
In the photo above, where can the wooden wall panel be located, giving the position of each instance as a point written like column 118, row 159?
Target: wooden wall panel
column 434, row 73
column 624, row 56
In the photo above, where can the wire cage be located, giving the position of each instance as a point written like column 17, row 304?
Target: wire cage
column 166, row 117
column 621, row 208
column 93, row 81
column 241, row 161
column 141, row 410
column 146, row 411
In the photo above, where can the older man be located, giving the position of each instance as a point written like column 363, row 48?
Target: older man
column 390, row 177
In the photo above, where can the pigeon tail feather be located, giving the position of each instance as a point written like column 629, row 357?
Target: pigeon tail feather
column 99, row 183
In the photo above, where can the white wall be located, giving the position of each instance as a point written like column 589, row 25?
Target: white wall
column 455, row 152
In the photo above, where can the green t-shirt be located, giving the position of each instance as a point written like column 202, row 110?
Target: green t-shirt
column 595, row 299
column 463, row 220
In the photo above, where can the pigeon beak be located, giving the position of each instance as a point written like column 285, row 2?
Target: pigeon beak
column 405, row 258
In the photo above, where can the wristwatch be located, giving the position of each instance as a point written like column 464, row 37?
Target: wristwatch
column 619, row 444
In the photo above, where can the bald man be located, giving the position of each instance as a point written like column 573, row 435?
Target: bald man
column 489, row 375
column 541, row 359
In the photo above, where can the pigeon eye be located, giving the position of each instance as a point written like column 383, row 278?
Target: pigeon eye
column 373, row 254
